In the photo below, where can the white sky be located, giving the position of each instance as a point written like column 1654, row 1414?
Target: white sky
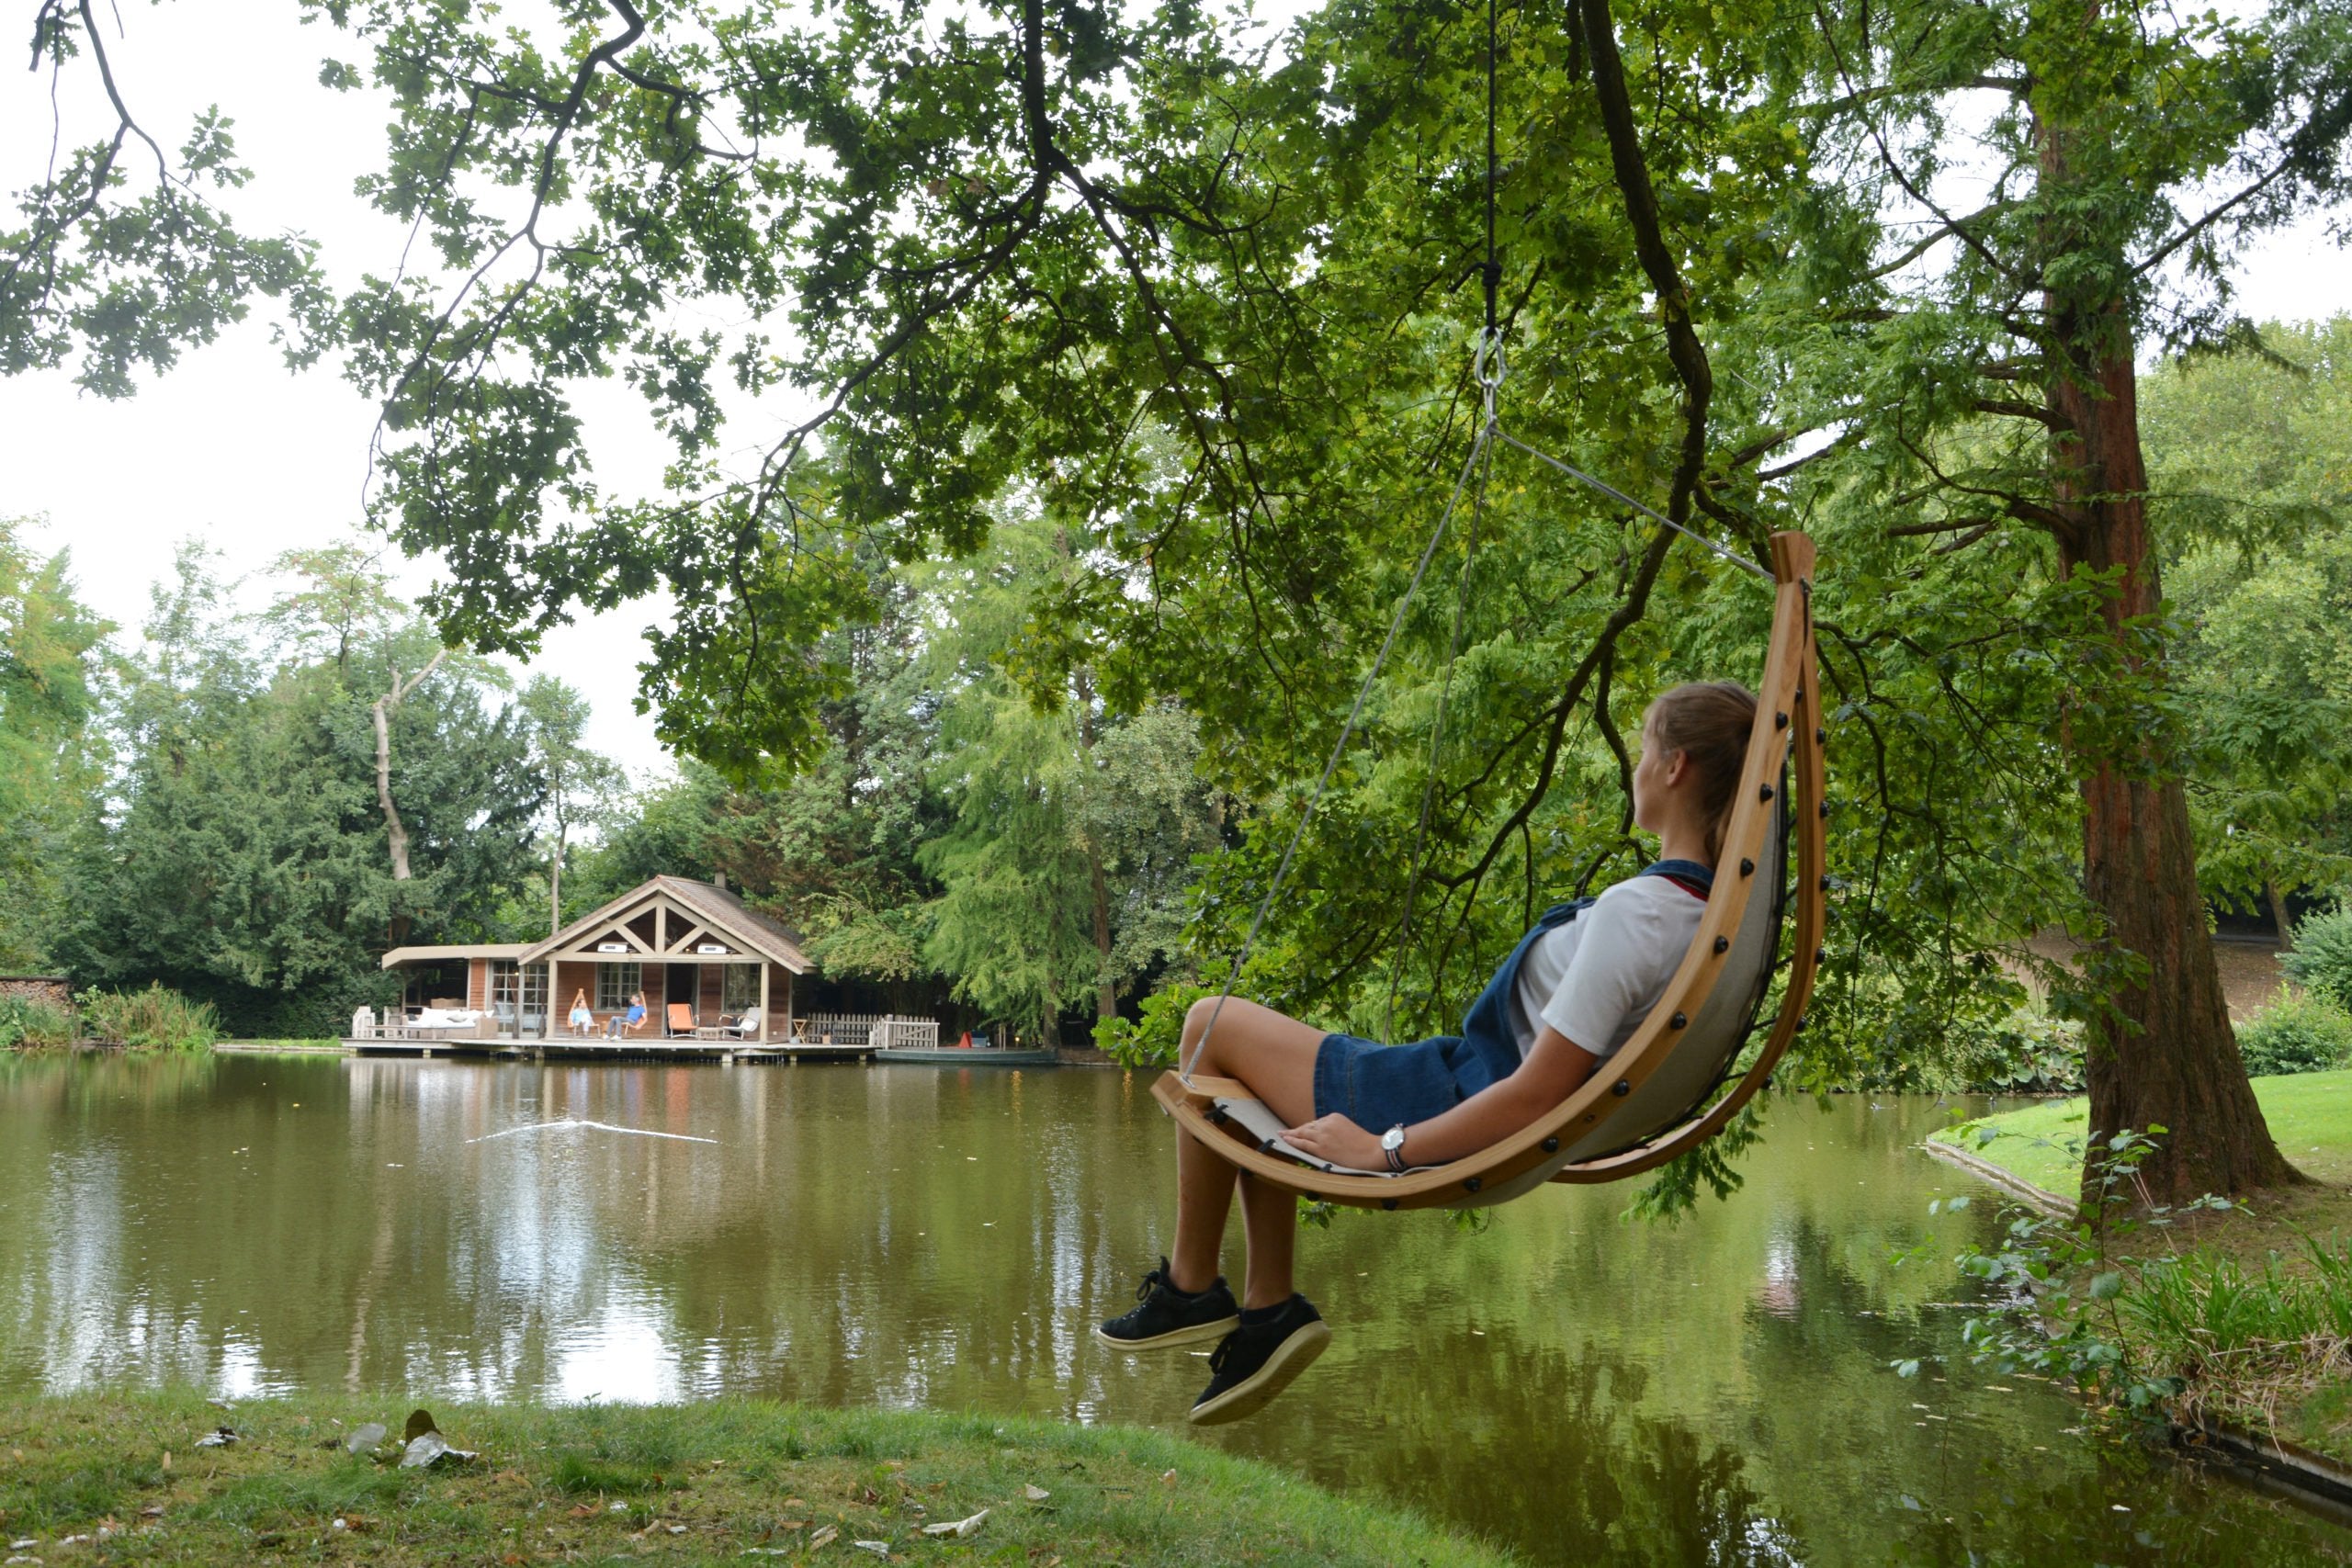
column 230, row 448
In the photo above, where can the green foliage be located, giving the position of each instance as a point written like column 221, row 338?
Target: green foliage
column 1674, row 1190
column 52, row 753
column 29, row 1024
column 2249, row 452
column 2297, row 1032
column 2322, row 959
column 153, row 1017
column 248, row 864
column 2028, row 1051
column 2056, row 1284
column 1155, row 1039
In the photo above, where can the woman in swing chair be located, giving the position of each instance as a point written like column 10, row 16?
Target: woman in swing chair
column 1572, row 992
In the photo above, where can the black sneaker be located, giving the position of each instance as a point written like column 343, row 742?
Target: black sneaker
column 1257, row 1361
column 1165, row 1316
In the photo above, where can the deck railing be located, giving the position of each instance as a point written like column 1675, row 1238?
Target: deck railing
column 875, row 1031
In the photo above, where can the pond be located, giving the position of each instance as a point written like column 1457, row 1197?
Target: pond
column 1580, row 1388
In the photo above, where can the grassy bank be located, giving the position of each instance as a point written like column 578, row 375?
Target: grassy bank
column 721, row 1481
column 2309, row 1116
column 2248, row 1310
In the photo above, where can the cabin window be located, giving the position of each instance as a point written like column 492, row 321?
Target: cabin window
column 615, row 983
column 740, row 991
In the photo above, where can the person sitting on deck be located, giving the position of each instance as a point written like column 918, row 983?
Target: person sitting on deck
column 1571, row 993
column 584, row 1023
column 625, row 1024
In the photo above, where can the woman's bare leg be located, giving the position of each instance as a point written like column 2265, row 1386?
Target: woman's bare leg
column 1275, row 1055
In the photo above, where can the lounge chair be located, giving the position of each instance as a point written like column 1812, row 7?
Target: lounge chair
column 678, row 1020
column 744, row 1028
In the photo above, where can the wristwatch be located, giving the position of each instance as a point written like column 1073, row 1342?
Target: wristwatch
column 1392, row 1146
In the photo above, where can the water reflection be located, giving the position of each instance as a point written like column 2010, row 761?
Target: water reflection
column 1584, row 1389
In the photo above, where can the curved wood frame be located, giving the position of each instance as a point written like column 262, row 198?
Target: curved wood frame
column 1788, row 729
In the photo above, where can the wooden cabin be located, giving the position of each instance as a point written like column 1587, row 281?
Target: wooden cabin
column 676, row 940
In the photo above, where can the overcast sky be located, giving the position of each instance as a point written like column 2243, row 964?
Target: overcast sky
column 232, row 449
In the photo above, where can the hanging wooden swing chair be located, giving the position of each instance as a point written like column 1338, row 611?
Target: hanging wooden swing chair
column 1656, row 1096
column 1650, row 1101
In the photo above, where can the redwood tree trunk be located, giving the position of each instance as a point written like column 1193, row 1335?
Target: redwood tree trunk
column 2164, row 1056
column 1106, row 994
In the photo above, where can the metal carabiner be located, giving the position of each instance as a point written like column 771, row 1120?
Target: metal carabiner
column 1486, row 364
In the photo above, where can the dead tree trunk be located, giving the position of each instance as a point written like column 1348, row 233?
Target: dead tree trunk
column 395, row 830
column 2161, row 1053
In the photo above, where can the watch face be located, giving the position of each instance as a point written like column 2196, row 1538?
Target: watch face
column 1393, row 1139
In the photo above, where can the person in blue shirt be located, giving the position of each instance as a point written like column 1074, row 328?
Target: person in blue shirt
column 627, row 1023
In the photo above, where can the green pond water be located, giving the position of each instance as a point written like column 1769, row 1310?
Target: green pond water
column 1584, row 1390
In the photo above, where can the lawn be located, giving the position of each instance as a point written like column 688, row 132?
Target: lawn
column 731, row 1481
column 2309, row 1116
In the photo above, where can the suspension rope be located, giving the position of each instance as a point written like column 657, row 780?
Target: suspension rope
column 1650, row 511
column 1437, row 745
column 1493, row 269
column 1487, row 366
column 1346, row 732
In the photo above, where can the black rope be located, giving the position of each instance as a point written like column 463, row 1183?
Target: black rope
column 1493, row 270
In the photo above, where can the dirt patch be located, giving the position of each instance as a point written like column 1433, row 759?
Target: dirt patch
column 2250, row 975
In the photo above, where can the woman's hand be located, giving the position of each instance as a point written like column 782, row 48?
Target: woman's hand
column 1340, row 1140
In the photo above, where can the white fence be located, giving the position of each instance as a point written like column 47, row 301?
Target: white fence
column 879, row 1031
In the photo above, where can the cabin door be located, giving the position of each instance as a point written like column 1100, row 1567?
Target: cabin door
column 682, row 983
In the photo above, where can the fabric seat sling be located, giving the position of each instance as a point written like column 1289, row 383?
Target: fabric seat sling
column 1656, row 1098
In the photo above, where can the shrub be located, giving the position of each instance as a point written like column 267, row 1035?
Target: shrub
column 2029, row 1052
column 154, row 1017
column 1152, row 1041
column 2321, row 961
column 32, row 1025
column 2297, row 1032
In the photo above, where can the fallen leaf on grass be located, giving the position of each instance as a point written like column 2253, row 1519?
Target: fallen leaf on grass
column 1035, row 1494
column 825, row 1537
column 958, row 1527
column 879, row 1548
column 152, row 1511
column 1168, row 1478
column 219, row 1438
column 167, row 1460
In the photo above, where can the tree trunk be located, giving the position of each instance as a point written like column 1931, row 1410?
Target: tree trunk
column 2163, row 1054
column 2277, row 900
column 555, row 884
column 395, row 830
column 1106, row 994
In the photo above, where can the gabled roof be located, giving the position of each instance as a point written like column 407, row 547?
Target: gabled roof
column 716, row 908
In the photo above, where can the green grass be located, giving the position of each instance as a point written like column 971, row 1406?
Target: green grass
column 2251, row 1308
column 726, row 1481
column 2309, row 1116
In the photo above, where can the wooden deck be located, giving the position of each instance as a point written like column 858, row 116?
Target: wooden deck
column 726, row 1053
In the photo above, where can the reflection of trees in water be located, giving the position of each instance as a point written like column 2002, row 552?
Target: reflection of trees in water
column 1550, row 1450
column 1713, row 1391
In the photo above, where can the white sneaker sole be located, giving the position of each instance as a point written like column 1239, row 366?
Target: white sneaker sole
column 1292, row 1357
column 1194, row 1334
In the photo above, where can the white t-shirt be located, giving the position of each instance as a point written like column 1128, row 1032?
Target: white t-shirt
column 1595, row 978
